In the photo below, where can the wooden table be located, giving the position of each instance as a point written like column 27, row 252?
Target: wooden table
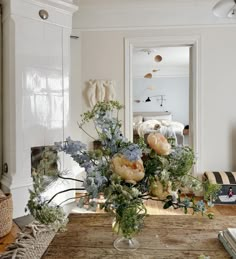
column 182, row 236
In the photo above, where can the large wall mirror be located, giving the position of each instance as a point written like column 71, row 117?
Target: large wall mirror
column 161, row 90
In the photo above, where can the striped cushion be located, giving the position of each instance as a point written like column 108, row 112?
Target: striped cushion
column 221, row 177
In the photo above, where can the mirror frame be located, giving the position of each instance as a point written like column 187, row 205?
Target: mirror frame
column 195, row 86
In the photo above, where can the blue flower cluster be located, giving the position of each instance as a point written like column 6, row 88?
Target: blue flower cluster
column 77, row 150
column 200, row 206
column 132, row 152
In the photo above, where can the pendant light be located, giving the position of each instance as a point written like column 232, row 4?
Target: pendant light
column 225, row 9
column 149, row 75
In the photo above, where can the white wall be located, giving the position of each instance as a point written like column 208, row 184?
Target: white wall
column 175, row 89
column 103, row 32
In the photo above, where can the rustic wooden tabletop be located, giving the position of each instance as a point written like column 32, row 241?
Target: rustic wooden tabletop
column 163, row 236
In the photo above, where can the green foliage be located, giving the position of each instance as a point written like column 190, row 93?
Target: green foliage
column 43, row 177
column 168, row 204
column 124, row 202
column 130, row 218
column 211, row 191
column 181, row 161
column 48, row 163
column 100, row 107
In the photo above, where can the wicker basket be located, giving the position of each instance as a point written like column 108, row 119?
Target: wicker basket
column 6, row 210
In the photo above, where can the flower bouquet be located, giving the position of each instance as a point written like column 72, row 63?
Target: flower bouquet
column 125, row 173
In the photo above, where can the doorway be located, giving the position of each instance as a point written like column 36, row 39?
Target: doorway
column 192, row 43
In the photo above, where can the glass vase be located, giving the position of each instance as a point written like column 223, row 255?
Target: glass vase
column 126, row 244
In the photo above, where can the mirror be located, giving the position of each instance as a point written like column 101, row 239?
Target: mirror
column 161, row 82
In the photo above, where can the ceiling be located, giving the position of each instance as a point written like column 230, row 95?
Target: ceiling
column 174, row 63
column 142, row 3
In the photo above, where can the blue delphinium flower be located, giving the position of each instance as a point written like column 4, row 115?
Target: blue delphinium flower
column 132, row 152
column 94, row 182
column 186, row 202
column 70, row 146
column 200, row 206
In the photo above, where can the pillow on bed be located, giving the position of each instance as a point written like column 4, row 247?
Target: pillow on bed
column 137, row 119
column 167, row 117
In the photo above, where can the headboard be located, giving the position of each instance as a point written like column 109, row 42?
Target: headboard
column 150, row 114
column 145, row 116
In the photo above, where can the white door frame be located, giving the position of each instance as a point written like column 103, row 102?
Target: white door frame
column 195, row 86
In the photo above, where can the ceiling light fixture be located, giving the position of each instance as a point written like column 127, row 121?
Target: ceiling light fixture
column 225, row 9
column 149, row 75
column 160, row 98
column 148, row 51
column 155, row 70
column 158, row 58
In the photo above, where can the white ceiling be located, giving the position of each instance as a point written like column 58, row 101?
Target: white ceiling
column 175, row 62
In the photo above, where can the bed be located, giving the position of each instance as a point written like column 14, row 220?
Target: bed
column 145, row 123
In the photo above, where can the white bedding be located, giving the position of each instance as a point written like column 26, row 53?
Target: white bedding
column 167, row 128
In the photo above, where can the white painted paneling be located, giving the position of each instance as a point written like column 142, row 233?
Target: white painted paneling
column 36, row 89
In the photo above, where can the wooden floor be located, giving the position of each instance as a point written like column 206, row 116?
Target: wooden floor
column 10, row 238
column 153, row 208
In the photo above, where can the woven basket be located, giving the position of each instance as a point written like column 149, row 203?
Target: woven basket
column 6, row 211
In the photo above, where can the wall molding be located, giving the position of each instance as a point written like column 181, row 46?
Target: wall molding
column 146, row 15
column 60, row 12
column 60, row 5
column 154, row 4
column 143, row 28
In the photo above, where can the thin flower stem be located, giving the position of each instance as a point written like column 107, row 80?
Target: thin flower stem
column 80, row 126
column 96, row 128
column 85, row 153
column 153, row 199
column 69, row 178
column 72, row 198
column 67, row 190
column 195, row 178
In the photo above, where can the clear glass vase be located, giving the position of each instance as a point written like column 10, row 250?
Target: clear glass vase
column 126, row 244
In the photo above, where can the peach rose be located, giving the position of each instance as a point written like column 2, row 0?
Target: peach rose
column 130, row 171
column 159, row 143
